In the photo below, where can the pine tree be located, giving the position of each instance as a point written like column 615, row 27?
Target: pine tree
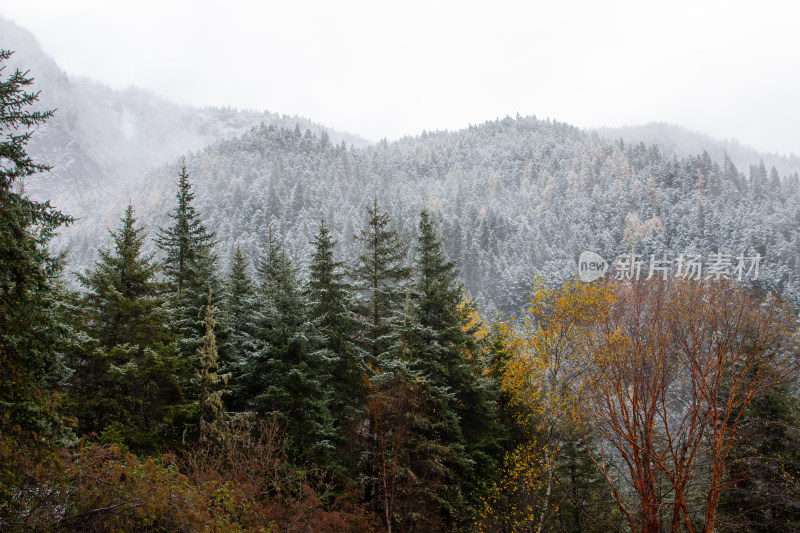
column 125, row 385
column 16, row 124
column 330, row 309
column 448, row 355
column 239, row 304
column 380, row 277
column 31, row 327
column 189, row 266
column 285, row 374
column 411, row 465
column 239, row 289
column 270, row 264
column 763, row 468
column 122, row 303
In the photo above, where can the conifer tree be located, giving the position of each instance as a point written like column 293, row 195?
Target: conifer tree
column 239, row 304
column 31, row 327
column 210, row 381
column 270, row 264
column 125, row 384
column 380, row 277
column 189, row 265
column 448, row 355
column 330, row 309
column 285, row 375
column 410, row 464
column 764, row 467
column 122, row 303
column 239, row 290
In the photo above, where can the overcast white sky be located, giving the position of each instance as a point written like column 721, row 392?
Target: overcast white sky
column 730, row 69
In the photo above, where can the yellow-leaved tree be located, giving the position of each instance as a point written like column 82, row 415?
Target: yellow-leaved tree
column 647, row 380
column 541, row 379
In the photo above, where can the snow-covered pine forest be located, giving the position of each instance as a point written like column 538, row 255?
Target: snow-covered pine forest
column 515, row 198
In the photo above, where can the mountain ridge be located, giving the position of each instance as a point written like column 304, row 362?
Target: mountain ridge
column 100, row 135
column 678, row 140
column 514, row 198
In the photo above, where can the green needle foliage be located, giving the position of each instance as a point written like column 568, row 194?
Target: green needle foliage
column 286, row 373
column 448, row 354
column 31, row 325
column 126, row 385
column 330, row 308
column 189, row 266
column 380, row 277
column 238, row 304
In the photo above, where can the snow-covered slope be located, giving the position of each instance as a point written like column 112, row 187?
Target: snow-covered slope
column 673, row 139
column 513, row 198
column 100, row 136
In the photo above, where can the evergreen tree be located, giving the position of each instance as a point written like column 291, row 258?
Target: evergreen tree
column 285, row 374
column 764, row 467
column 125, row 385
column 239, row 290
column 450, row 444
column 513, row 417
column 409, row 471
column 270, row 265
column 380, row 276
column 330, row 308
column 31, row 327
column 449, row 356
column 239, row 301
column 122, row 303
column 438, row 297
column 189, row 265
column 210, row 381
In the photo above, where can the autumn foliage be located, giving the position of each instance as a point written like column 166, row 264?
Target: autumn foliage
column 660, row 375
column 672, row 370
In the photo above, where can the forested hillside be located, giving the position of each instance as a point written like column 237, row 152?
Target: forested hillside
column 515, row 198
column 676, row 140
column 100, row 137
column 289, row 330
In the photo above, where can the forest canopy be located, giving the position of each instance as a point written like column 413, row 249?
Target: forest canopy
column 166, row 389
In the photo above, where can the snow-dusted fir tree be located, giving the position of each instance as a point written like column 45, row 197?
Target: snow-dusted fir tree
column 285, row 375
column 127, row 373
column 330, row 307
column 122, row 299
column 238, row 306
column 380, row 277
column 30, row 327
column 189, row 265
column 447, row 354
column 410, row 467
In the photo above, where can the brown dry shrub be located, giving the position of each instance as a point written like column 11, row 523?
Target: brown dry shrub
column 251, row 456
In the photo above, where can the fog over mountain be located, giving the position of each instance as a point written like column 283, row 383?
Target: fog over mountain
column 674, row 139
column 99, row 136
column 514, row 198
